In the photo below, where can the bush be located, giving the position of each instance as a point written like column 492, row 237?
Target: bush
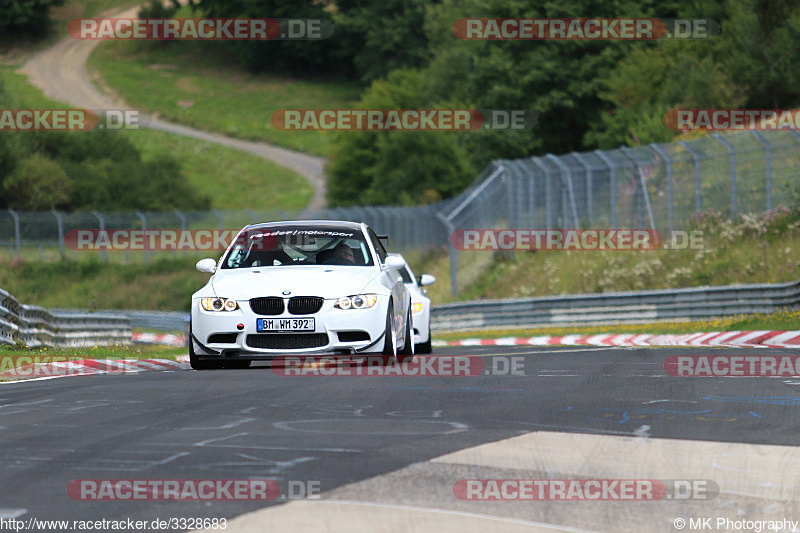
column 84, row 171
column 37, row 184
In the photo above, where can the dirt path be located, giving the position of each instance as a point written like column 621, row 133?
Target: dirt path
column 60, row 72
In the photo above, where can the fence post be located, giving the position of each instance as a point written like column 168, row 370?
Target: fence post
column 732, row 152
column 102, row 221
column 668, row 171
column 531, row 181
column 143, row 218
column 613, row 182
column 17, row 233
column 548, row 208
column 218, row 214
column 513, row 193
column 523, row 207
column 476, row 192
column 588, row 172
column 697, row 197
column 60, row 222
column 565, row 169
column 453, row 254
column 182, row 218
column 768, row 164
column 648, row 208
column 511, row 209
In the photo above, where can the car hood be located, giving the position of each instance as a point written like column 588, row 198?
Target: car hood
column 326, row 281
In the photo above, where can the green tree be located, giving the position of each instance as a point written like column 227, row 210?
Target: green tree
column 377, row 37
column 559, row 80
column 307, row 57
column 654, row 80
column 25, row 16
column 394, row 167
column 759, row 49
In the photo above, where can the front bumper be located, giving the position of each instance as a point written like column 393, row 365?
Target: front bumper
column 422, row 325
column 366, row 325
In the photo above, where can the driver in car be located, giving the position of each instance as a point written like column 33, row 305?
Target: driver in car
column 343, row 251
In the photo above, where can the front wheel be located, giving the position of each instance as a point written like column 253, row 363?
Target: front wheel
column 426, row 346
column 390, row 341
column 195, row 361
column 407, row 353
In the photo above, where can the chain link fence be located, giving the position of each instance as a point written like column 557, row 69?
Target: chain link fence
column 654, row 187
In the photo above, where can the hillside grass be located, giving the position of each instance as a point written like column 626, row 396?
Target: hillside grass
column 200, row 85
column 762, row 248
column 232, row 178
column 164, row 284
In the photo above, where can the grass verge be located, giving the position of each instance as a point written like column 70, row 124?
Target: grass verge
column 136, row 351
column 21, row 359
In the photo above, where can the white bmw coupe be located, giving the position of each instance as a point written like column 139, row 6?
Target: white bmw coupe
column 300, row 287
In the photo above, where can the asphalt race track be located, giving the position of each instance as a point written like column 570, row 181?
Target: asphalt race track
column 240, row 424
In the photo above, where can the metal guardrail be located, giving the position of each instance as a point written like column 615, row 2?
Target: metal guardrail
column 619, row 307
column 36, row 326
column 155, row 320
column 632, row 307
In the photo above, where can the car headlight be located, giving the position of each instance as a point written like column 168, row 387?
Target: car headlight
column 219, row 304
column 417, row 307
column 358, row 301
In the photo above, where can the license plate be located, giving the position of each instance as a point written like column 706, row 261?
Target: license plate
column 285, row 324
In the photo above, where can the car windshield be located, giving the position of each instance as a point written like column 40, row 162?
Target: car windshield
column 298, row 245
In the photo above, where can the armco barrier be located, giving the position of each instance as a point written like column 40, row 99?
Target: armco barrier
column 155, row 320
column 35, row 326
column 619, row 307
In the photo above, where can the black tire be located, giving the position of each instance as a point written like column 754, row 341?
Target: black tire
column 389, row 346
column 425, row 347
column 195, row 361
column 407, row 352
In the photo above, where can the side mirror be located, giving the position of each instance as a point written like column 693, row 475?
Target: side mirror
column 207, row 265
column 427, row 279
column 394, row 263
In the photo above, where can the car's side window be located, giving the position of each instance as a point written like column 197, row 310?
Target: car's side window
column 406, row 274
column 376, row 242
